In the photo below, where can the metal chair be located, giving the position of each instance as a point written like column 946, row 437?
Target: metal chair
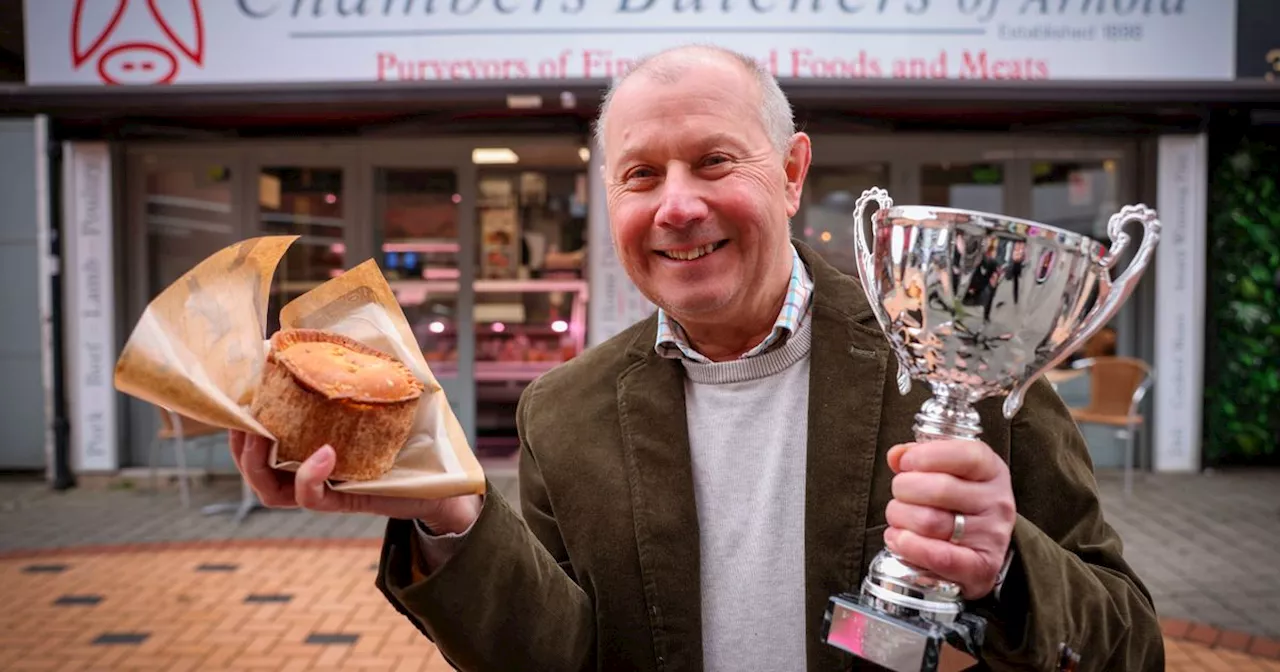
column 179, row 428
column 1117, row 386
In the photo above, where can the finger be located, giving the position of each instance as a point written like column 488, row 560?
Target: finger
column 235, row 438
column 954, row 563
column 309, row 485
column 970, row 460
column 941, row 491
column 273, row 487
column 895, row 456
column 925, row 521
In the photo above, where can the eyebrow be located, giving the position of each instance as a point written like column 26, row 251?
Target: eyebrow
column 720, row 138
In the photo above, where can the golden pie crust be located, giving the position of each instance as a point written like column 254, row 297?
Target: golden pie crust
column 319, row 387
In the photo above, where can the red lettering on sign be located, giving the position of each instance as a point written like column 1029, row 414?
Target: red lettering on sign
column 980, row 66
column 390, row 67
column 805, row 64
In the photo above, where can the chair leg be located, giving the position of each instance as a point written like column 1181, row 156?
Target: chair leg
column 151, row 462
column 182, row 472
column 1128, row 461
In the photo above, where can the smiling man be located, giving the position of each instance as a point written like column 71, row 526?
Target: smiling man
column 694, row 489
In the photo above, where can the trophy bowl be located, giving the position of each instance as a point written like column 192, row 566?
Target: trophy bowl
column 974, row 305
column 979, row 305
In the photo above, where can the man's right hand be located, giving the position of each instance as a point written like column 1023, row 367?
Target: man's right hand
column 306, row 488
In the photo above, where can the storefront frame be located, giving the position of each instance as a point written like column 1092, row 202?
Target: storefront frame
column 360, row 157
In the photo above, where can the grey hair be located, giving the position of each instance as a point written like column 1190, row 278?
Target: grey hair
column 669, row 65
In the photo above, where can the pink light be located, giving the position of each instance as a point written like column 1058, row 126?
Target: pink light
column 498, row 327
column 440, row 273
column 559, row 326
column 330, row 198
column 437, row 246
column 436, row 327
column 457, row 198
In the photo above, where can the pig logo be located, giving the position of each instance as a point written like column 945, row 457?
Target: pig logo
column 118, row 39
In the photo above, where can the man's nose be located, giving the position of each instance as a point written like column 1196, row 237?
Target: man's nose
column 682, row 201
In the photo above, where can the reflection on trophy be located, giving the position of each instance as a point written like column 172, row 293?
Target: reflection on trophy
column 975, row 305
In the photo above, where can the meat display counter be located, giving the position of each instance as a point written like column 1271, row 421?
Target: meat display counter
column 523, row 328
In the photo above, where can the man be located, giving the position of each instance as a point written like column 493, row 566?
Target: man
column 694, row 489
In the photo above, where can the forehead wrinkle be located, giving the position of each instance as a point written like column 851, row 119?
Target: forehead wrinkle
column 674, row 115
column 667, row 141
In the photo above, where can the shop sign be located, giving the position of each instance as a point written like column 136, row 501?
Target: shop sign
column 95, row 42
column 1180, row 281
column 89, row 312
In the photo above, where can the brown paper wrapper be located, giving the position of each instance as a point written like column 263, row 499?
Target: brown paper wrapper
column 200, row 346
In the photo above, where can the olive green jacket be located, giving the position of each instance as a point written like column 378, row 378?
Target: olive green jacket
column 602, row 571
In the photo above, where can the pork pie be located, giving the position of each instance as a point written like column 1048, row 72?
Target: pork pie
column 320, row 387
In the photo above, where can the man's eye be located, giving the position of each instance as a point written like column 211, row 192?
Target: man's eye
column 715, row 160
column 640, row 174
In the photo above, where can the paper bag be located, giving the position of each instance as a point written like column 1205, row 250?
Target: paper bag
column 200, row 346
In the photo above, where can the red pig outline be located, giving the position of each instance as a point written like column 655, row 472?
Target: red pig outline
column 79, row 56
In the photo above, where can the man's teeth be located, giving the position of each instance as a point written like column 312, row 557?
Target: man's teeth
column 689, row 255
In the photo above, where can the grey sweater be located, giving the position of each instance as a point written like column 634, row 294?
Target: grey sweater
column 747, row 436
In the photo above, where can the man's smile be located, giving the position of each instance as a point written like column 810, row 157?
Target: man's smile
column 692, row 253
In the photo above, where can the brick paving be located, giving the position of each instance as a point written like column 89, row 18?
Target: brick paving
column 126, row 579
column 256, row 604
column 229, row 607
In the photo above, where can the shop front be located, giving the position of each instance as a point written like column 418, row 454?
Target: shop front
column 452, row 143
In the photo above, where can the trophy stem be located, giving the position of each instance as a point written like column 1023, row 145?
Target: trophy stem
column 893, row 585
column 949, row 414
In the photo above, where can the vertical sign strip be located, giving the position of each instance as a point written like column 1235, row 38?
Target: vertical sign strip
column 1180, row 286
column 89, row 311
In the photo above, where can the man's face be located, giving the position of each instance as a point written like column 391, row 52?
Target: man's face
column 698, row 198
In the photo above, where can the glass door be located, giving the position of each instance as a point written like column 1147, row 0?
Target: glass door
column 307, row 193
column 182, row 207
column 421, row 224
column 826, row 223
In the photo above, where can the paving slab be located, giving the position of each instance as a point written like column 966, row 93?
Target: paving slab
column 1207, row 545
column 273, row 604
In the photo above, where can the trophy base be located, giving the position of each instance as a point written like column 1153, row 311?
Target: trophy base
column 901, row 644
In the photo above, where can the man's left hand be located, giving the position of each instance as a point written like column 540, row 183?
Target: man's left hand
column 934, row 481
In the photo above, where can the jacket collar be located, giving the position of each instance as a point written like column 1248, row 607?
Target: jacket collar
column 848, row 365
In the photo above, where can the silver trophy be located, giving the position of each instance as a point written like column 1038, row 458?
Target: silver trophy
column 975, row 305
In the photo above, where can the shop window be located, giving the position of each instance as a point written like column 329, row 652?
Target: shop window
column 308, row 202
column 530, row 310
column 188, row 216
column 1076, row 196
column 416, row 229
column 969, row 186
column 828, row 216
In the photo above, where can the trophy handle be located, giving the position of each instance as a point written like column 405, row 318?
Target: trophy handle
column 866, row 268
column 1116, row 295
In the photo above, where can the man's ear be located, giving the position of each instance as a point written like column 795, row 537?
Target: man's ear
column 796, row 166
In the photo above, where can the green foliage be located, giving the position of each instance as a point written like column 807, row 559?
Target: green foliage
column 1242, row 395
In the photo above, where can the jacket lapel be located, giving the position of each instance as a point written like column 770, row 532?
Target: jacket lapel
column 849, row 362
column 660, row 478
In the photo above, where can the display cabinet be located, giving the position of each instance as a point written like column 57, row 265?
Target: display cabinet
column 522, row 329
